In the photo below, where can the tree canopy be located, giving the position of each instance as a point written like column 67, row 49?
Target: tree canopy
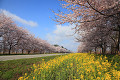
column 96, row 21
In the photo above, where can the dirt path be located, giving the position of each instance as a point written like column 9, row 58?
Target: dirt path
column 13, row 57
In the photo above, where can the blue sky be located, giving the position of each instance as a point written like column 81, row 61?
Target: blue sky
column 34, row 15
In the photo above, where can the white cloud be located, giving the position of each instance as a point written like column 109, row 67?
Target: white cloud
column 62, row 36
column 64, row 30
column 17, row 18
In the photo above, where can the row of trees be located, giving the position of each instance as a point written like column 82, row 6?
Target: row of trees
column 14, row 39
column 97, row 24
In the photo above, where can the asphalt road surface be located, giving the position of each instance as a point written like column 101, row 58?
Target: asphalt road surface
column 13, row 57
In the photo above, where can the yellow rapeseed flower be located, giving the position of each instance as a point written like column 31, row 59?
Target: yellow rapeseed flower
column 99, row 73
column 83, row 63
column 33, row 77
column 35, row 70
column 21, row 78
column 108, row 76
column 81, row 76
column 25, row 74
column 98, row 78
column 71, row 64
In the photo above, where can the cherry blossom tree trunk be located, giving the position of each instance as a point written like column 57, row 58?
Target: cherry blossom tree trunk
column 118, row 50
column 22, row 51
column 112, row 49
column 10, row 49
column 3, row 47
column 4, row 50
column 95, row 50
column 102, row 50
column 28, row 52
column 16, row 51
column 34, row 51
column 90, row 51
column 104, row 47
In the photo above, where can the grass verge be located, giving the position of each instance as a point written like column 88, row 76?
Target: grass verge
column 13, row 69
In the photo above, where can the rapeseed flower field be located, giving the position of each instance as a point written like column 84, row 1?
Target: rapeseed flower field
column 77, row 66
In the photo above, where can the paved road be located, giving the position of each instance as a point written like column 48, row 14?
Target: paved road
column 13, row 57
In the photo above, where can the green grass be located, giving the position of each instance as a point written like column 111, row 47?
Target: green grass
column 112, row 58
column 13, row 69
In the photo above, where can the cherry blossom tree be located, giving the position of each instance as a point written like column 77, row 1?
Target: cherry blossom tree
column 90, row 15
column 14, row 39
